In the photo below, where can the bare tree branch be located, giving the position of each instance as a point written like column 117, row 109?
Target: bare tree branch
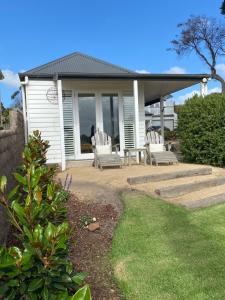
column 206, row 38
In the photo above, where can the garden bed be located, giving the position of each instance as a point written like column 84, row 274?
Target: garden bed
column 89, row 250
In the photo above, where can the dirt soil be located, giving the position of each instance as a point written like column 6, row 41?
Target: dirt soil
column 89, row 250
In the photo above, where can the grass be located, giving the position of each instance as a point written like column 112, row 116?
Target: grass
column 162, row 251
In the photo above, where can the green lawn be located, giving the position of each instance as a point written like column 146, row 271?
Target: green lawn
column 161, row 251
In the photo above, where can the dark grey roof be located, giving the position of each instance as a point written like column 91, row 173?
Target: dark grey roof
column 77, row 63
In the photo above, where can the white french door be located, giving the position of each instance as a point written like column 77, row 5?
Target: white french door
column 85, row 122
column 91, row 111
column 84, row 112
column 110, row 112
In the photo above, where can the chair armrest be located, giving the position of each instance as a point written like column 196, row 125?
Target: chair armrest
column 93, row 149
column 116, row 147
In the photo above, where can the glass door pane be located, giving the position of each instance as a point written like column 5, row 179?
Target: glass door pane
column 87, row 117
column 110, row 110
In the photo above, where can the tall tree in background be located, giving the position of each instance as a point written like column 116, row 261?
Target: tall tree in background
column 206, row 38
column 17, row 99
column 223, row 8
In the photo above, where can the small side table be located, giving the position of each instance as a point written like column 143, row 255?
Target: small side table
column 139, row 151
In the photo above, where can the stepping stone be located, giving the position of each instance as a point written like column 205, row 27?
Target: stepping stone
column 208, row 201
column 181, row 189
column 170, row 175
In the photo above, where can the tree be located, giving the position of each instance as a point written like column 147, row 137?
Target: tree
column 4, row 115
column 17, row 100
column 222, row 8
column 206, row 38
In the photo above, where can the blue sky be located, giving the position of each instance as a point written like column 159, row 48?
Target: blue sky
column 131, row 33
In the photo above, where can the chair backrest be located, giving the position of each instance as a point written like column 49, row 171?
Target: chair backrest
column 100, row 138
column 153, row 137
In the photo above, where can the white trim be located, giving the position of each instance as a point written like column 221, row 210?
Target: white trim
column 74, row 123
column 59, row 89
column 136, row 108
column 24, row 113
column 204, row 88
column 162, row 117
column 121, row 123
column 99, row 113
column 78, row 154
column 77, row 125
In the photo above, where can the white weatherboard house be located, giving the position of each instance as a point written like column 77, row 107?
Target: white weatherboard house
column 69, row 98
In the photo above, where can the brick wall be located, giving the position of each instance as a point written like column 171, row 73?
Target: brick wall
column 11, row 147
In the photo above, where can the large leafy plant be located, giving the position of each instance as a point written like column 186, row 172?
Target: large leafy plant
column 201, row 125
column 39, row 268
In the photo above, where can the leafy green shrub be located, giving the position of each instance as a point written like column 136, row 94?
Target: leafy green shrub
column 40, row 269
column 170, row 134
column 201, row 128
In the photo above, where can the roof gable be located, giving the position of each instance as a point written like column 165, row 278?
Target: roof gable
column 78, row 63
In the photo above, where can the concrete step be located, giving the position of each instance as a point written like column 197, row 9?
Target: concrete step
column 170, row 175
column 176, row 190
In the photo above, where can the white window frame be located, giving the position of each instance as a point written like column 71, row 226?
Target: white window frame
column 99, row 118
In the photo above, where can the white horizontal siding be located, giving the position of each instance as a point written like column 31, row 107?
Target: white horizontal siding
column 44, row 116
column 40, row 94
column 98, row 85
column 45, row 111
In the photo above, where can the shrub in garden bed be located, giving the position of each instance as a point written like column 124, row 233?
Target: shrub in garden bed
column 40, row 268
column 201, row 128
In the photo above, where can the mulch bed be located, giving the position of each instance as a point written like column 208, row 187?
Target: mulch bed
column 89, row 250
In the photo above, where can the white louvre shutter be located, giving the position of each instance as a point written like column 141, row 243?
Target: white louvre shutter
column 68, row 124
column 129, row 121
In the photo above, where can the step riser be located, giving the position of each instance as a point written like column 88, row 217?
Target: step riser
column 205, row 202
column 179, row 190
column 168, row 176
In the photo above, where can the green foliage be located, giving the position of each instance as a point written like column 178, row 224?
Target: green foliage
column 4, row 116
column 222, row 8
column 35, row 150
column 83, row 294
column 201, row 125
column 85, row 220
column 170, row 135
column 40, row 269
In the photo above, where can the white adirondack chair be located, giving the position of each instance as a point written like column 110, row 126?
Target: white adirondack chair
column 156, row 150
column 102, row 148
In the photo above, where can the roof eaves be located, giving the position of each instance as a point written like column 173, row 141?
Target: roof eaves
column 138, row 76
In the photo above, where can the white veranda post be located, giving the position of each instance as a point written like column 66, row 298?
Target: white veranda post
column 204, row 87
column 59, row 91
column 136, row 109
column 162, row 117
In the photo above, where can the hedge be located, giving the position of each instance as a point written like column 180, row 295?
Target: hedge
column 201, row 130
